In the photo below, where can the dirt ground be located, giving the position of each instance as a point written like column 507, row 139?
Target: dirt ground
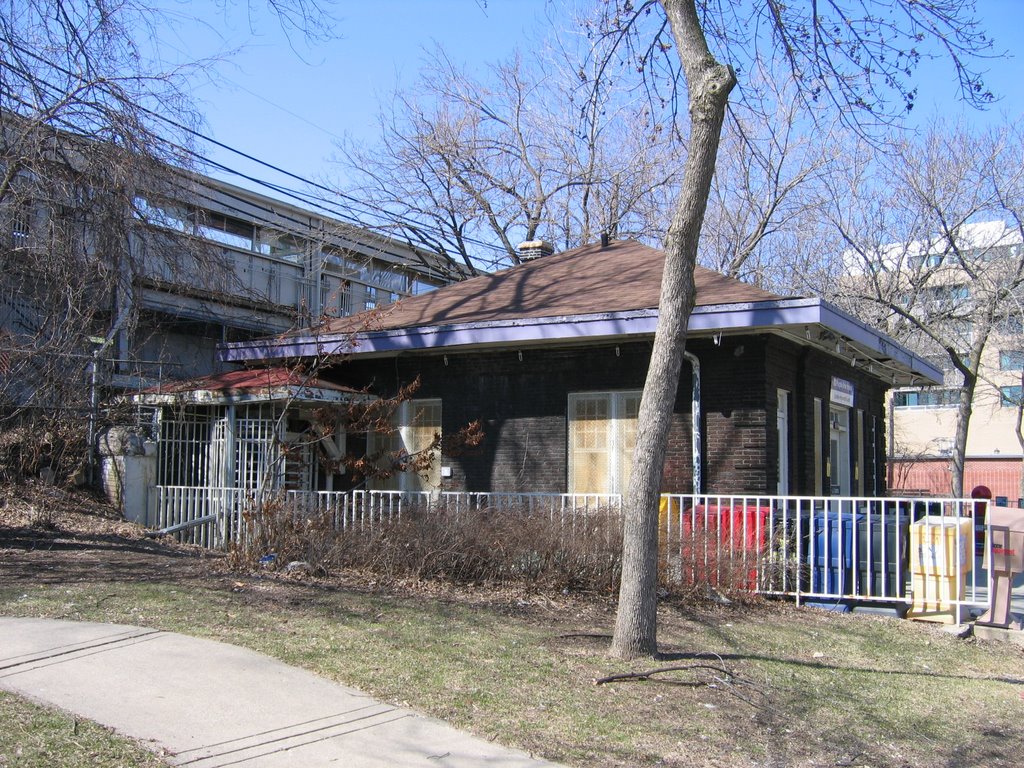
column 49, row 535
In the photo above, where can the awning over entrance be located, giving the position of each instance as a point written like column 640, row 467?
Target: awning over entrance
column 259, row 385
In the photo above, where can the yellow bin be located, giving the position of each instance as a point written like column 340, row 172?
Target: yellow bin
column 941, row 556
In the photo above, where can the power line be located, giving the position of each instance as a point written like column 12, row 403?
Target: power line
column 294, row 194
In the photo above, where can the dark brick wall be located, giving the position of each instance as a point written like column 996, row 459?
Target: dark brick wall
column 522, row 407
column 735, row 414
column 807, row 374
column 520, row 403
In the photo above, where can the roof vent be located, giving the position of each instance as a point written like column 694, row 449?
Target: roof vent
column 535, row 249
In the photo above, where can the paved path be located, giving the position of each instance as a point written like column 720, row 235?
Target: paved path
column 211, row 704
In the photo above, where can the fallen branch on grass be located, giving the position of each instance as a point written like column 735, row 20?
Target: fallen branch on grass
column 648, row 674
column 722, row 679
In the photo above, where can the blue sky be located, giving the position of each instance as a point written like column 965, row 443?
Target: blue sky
column 289, row 102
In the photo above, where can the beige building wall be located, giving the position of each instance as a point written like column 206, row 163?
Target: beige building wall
column 930, row 430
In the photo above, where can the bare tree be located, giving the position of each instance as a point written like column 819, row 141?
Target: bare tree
column 76, row 133
column 851, row 54
column 954, row 198
column 84, row 156
column 770, row 187
column 471, row 167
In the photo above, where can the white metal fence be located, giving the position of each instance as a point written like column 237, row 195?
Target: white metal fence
column 856, row 549
column 826, row 549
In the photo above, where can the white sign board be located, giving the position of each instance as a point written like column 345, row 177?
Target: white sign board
column 842, row 392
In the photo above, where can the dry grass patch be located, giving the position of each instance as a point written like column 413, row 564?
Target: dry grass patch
column 36, row 737
column 801, row 687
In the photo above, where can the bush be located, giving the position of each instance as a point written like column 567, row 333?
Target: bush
column 511, row 545
column 506, row 546
column 49, row 448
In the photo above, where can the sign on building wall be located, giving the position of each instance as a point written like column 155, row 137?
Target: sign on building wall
column 842, row 392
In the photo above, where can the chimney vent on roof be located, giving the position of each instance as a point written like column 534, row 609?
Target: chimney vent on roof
column 535, row 249
column 604, row 239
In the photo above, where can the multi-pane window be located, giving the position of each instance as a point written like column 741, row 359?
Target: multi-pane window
column 930, row 261
column 1011, row 359
column 17, row 219
column 407, row 450
column 165, row 215
column 225, row 230
column 602, row 435
column 1010, row 397
column 282, row 245
column 334, row 296
column 420, row 286
column 946, row 294
column 926, row 398
column 369, row 298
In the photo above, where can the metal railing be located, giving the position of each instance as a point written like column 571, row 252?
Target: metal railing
column 826, row 549
column 209, row 517
column 814, row 549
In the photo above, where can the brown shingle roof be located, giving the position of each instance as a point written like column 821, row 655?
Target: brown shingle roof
column 626, row 275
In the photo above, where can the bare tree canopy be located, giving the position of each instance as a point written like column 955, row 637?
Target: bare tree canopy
column 90, row 122
column 932, row 234
column 856, row 57
column 473, row 165
column 772, row 180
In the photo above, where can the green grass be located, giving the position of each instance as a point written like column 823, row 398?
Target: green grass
column 808, row 688
column 36, row 737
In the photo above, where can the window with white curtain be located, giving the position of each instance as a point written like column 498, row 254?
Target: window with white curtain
column 602, row 434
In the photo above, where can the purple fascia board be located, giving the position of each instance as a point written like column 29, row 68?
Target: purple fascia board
column 711, row 318
column 856, row 331
column 593, row 326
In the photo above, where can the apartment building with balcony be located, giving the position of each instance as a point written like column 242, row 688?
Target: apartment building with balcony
column 257, row 266
column 122, row 274
column 148, row 284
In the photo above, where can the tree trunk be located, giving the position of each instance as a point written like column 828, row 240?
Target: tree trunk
column 708, row 85
column 1019, row 428
column 963, row 421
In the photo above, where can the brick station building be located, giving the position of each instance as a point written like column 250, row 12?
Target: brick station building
column 550, row 358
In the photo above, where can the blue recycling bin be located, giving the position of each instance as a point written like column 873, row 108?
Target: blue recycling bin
column 831, row 551
column 857, row 555
column 883, row 545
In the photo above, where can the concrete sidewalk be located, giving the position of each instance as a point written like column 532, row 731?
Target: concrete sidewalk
column 210, row 704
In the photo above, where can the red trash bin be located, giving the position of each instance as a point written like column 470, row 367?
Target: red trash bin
column 722, row 543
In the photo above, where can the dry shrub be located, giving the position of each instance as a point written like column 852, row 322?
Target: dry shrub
column 506, row 546
column 275, row 532
column 45, row 447
column 781, row 567
column 511, row 545
column 495, row 546
column 705, row 563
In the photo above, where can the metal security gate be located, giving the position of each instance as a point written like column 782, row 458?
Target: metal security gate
column 256, row 454
column 183, row 450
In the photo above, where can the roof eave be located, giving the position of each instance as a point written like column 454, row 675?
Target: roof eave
column 765, row 316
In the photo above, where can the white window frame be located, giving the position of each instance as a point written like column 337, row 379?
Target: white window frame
column 839, row 451
column 402, row 420
column 782, row 425
column 616, row 422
